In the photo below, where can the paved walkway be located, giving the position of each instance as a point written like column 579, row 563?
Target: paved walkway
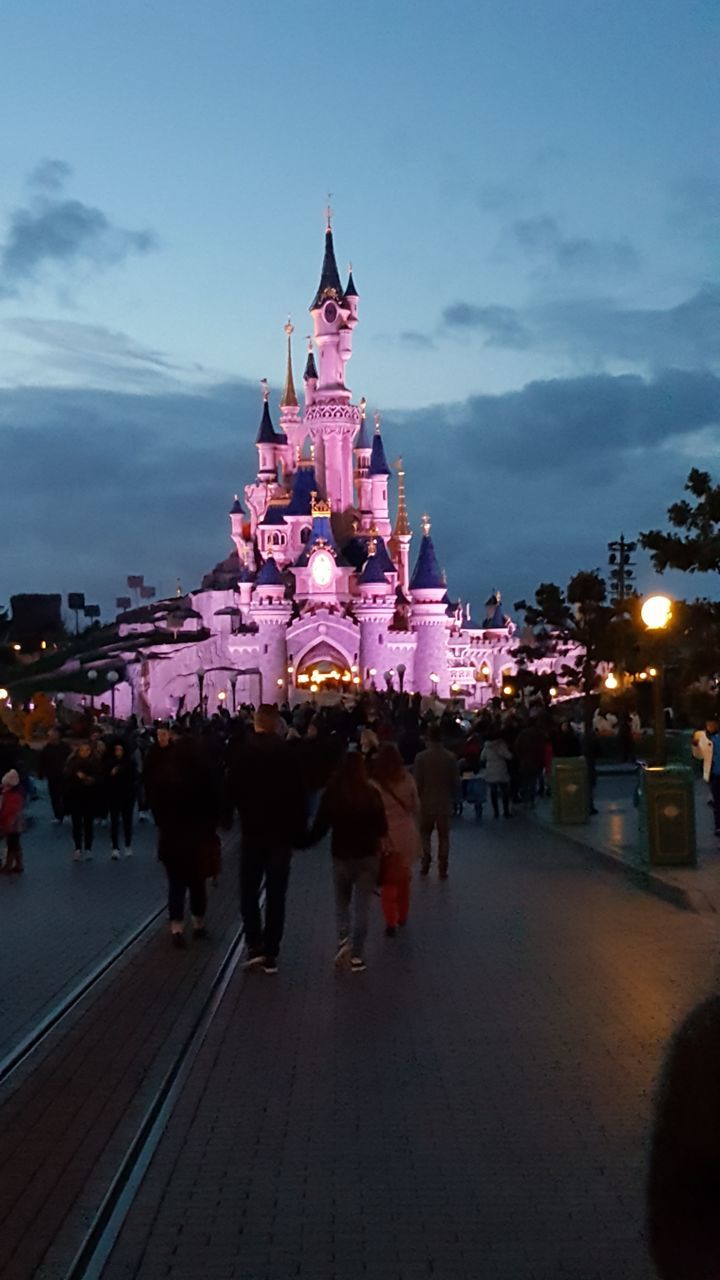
column 61, row 918
column 613, row 834
column 475, row 1105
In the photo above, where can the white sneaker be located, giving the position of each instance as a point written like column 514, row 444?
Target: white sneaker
column 77, row 856
column 115, row 855
column 128, row 853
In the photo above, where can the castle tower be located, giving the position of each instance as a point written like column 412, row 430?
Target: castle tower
column 266, row 441
column 330, row 419
column 361, row 451
column 429, row 620
column 399, row 545
column 374, row 613
column 271, row 612
column 237, row 520
column 378, row 476
column 291, row 424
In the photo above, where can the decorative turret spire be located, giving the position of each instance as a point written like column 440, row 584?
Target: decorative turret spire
column 266, row 430
column 378, row 461
column 350, row 290
column 426, row 526
column 330, row 285
column 362, row 441
column 310, row 366
column 289, row 398
column 402, row 520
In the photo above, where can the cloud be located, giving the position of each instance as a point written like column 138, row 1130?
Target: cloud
column 96, row 355
column 542, row 477
column 501, row 326
column 419, row 341
column 600, row 330
column 695, row 207
column 53, row 230
column 541, row 238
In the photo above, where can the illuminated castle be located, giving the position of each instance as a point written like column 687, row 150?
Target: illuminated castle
column 318, row 592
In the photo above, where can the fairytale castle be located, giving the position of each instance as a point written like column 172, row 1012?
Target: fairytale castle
column 322, row 590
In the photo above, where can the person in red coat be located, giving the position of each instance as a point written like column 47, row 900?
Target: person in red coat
column 12, row 800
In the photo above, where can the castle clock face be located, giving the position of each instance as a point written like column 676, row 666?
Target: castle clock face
column 321, row 568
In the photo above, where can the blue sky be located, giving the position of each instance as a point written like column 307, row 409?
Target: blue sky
column 529, row 195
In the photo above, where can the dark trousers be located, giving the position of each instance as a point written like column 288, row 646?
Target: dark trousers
column 178, row 887
column 715, row 793
column 500, row 791
column 273, row 867
column 428, row 823
column 83, row 822
column 124, row 812
column 56, row 792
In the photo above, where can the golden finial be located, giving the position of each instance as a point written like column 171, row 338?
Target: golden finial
column 329, row 211
column 310, row 343
column 426, row 526
column 377, row 423
column 289, row 396
column 265, row 390
column 372, row 546
column 363, row 408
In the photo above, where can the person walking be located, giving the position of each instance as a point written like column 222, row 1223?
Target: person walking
column 121, row 784
column 352, row 810
column 266, row 788
column 497, row 758
column 51, row 766
column 82, row 774
column 437, row 777
column 186, row 812
column 12, row 825
column 401, row 845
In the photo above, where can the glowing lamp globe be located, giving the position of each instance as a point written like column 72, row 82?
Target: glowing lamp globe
column 611, row 681
column 656, row 612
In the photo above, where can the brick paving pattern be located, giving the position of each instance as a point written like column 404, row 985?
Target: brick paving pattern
column 475, row 1105
column 61, row 918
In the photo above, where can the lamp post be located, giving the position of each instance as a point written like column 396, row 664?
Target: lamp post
column 92, row 675
column 233, row 690
column 434, row 682
column 113, row 678
column 401, row 669
column 656, row 613
column 200, row 673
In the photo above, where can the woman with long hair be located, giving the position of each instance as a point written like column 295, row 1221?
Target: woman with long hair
column 401, row 845
column 352, row 810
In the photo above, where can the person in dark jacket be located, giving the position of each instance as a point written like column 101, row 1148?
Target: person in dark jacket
column 82, row 774
column 121, row 788
column 186, row 810
column 352, row 809
column 683, row 1186
column 159, row 776
column 437, row 775
column 51, row 766
column 266, row 787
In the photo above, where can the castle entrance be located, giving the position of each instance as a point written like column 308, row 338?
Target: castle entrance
column 327, row 674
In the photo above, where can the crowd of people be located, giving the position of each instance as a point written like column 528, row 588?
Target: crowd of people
column 382, row 776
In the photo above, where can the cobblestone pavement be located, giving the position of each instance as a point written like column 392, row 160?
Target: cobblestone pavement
column 60, row 918
column 475, row 1105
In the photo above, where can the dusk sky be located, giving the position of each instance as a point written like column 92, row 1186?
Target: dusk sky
column 529, row 195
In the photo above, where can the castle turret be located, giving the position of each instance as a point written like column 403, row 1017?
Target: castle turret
column 270, row 610
column 374, row 612
column 399, row 545
column 310, row 376
column 351, row 299
column 266, row 441
column 237, row 521
column 291, row 424
column 361, row 451
column 429, row 619
column 379, row 475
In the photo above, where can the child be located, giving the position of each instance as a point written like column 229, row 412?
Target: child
column 11, row 819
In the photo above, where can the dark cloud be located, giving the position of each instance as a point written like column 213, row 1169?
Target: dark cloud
column 540, row 238
column 501, row 326
column 600, row 330
column 536, row 482
column 54, row 230
column 95, row 354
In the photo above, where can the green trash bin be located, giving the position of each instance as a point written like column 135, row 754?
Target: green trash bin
column 667, row 816
column 570, row 790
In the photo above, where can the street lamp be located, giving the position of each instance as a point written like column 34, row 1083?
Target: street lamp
column 434, row 682
column 233, row 689
column 656, row 613
column 113, row 678
column 611, row 680
column 92, row 675
column 401, row 669
column 200, row 673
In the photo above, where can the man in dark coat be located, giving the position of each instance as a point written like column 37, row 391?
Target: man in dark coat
column 51, row 766
column 266, row 787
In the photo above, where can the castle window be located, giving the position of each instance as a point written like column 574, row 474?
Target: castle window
column 304, row 535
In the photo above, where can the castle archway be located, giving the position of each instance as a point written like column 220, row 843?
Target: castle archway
column 323, row 668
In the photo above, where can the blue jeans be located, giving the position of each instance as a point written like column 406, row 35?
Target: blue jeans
column 355, row 883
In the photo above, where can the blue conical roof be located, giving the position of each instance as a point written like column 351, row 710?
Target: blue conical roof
column 270, row 575
column 236, row 508
column 310, row 367
column 304, row 485
column 362, row 439
column 266, row 431
column 373, row 571
column 350, row 290
column 330, row 286
column 427, row 572
column 378, row 461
